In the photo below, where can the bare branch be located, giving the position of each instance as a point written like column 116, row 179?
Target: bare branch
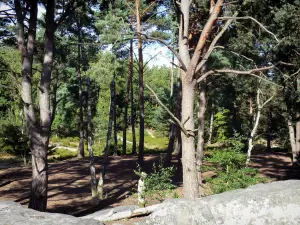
column 186, row 132
column 170, row 48
column 251, row 18
column 239, row 72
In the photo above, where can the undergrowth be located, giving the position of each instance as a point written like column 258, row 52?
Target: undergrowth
column 229, row 163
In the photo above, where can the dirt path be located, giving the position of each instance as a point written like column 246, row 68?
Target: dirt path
column 69, row 181
column 69, row 184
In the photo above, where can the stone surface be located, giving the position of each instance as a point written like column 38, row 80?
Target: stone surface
column 112, row 213
column 270, row 204
column 14, row 213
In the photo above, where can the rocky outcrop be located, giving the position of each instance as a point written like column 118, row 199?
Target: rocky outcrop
column 263, row 204
column 14, row 213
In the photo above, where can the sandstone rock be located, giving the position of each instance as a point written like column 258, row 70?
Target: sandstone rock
column 112, row 213
column 14, row 213
column 263, row 204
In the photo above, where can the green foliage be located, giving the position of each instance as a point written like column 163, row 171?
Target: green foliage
column 233, row 173
column 228, row 159
column 221, row 122
column 160, row 178
column 236, row 179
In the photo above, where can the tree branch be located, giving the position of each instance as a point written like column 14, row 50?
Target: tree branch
column 240, row 72
column 183, row 67
column 213, row 44
column 253, row 19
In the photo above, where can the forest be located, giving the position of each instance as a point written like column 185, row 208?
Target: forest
column 180, row 98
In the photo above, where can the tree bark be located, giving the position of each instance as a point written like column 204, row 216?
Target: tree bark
column 269, row 136
column 38, row 198
column 110, row 120
column 201, row 121
column 190, row 179
column 132, row 100
column 81, row 125
column 129, row 80
column 298, row 137
column 115, row 118
column 211, row 126
column 90, row 142
column 293, row 141
column 141, row 86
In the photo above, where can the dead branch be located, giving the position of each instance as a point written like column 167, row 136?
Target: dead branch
column 186, row 132
column 240, row 72
column 251, row 18
column 169, row 47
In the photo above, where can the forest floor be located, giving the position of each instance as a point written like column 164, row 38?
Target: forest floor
column 69, row 181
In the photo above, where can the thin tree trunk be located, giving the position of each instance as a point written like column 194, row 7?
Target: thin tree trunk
column 177, row 148
column 269, row 136
column 211, row 126
column 53, row 99
column 103, row 169
column 141, row 85
column 201, row 120
column 190, row 179
column 81, row 124
column 110, row 121
column 115, row 119
column 293, row 141
column 251, row 138
column 90, row 142
column 126, row 105
column 298, row 137
column 168, row 156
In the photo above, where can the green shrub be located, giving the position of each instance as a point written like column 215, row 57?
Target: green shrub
column 228, row 159
column 160, row 178
column 236, row 179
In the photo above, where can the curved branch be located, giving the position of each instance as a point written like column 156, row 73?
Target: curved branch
column 253, row 19
column 169, row 47
column 240, row 72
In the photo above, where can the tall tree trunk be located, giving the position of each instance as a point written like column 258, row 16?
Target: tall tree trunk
column 81, row 124
column 201, row 120
column 190, row 179
column 298, row 137
column 141, row 85
column 126, row 105
column 133, row 114
column 172, row 133
column 177, row 147
column 293, row 141
column 115, row 119
column 38, row 198
column 168, row 156
column 103, row 169
column 269, row 136
column 110, row 120
column 90, row 142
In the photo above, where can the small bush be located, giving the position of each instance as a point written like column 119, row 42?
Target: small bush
column 236, row 179
column 228, row 159
column 160, row 179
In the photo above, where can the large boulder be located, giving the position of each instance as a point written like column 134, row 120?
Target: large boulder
column 14, row 213
column 272, row 204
